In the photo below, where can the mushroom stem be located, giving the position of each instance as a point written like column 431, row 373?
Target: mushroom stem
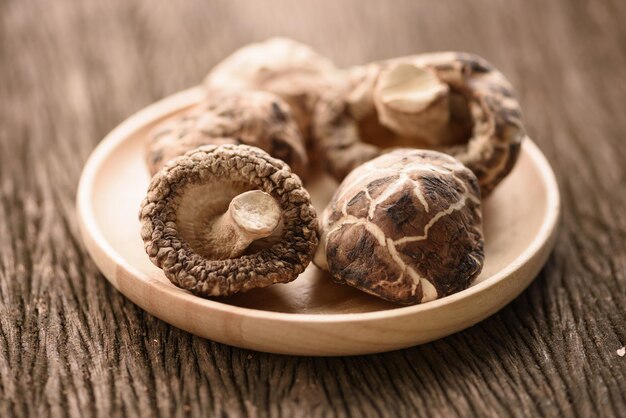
column 251, row 216
column 412, row 102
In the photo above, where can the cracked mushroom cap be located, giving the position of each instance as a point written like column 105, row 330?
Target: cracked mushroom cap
column 290, row 69
column 226, row 219
column 252, row 118
column 452, row 102
column 405, row 226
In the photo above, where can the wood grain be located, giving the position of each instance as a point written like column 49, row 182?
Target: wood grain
column 70, row 345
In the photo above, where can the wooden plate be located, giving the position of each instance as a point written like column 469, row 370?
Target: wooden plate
column 312, row 315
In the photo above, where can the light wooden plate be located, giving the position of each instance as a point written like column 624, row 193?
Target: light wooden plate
column 312, row 315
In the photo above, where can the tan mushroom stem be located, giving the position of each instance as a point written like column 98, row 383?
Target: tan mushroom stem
column 251, row 216
column 412, row 102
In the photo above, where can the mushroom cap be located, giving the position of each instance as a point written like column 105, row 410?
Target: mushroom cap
column 405, row 226
column 484, row 132
column 252, row 118
column 288, row 68
column 190, row 189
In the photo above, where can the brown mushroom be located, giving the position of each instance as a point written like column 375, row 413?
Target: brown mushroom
column 405, row 226
column 290, row 69
column 253, row 118
column 452, row 102
column 226, row 219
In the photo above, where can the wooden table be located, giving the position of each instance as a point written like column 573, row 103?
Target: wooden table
column 72, row 345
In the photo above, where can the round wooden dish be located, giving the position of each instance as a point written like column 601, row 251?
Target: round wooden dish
column 312, row 315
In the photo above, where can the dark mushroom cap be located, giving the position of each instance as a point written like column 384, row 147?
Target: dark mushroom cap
column 196, row 175
column 405, row 226
column 254, row 118
column 485, row 128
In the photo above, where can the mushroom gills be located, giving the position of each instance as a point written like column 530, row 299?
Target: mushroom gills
column 208, row 211
column 451, row 102
column 413, row 106
column 221, row 221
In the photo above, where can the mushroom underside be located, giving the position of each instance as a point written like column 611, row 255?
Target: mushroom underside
column 457, row 132
column 173, row 216
column 482, row 128
column 201, row 204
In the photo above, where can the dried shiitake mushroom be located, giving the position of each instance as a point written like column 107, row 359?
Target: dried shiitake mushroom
column 226, row 219
column 405, row 226
column 252, row 118
column 282, row 66
column 452, row 102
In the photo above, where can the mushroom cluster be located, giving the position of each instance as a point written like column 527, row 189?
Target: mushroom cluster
column 415, row 143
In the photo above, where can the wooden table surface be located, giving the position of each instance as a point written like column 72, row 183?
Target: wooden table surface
column 72, row 345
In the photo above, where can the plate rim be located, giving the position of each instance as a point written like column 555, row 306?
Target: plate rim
column 191, row 96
